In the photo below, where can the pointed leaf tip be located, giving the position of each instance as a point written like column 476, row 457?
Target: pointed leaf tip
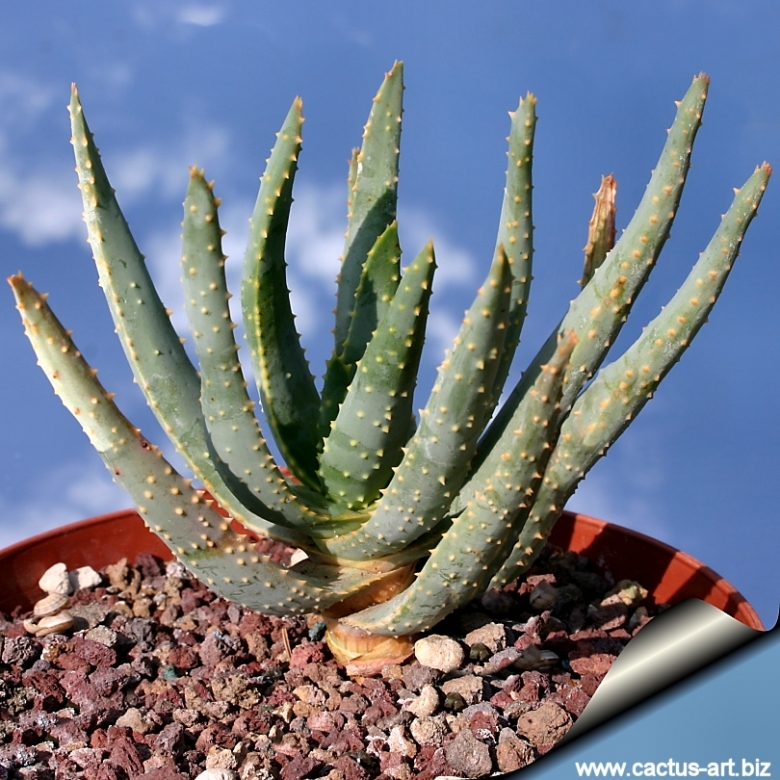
column 75, row 102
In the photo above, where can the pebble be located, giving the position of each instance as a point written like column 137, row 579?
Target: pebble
column 468, row 756
column 310, row 694
column 55, row 580
column 417, row 676
column 483, row 719
column 597, row 664
column 134, row 719
column 429, row 731
column 470, row 687
column 212, row 689
column 493, row 636
column 512, row 753
column 93, row 613
column 543, row 596
column 403, row 772
column 425, row 704
column 638, row 618
column 221, row 758
column 609, row 615
column 535, row 658
column 19, row 651
column 501, row 660
column 544, row 726
column 631, row 593
column 103, row 635
column 439, row 652
column 399, row 742
column 84, row 577
column 175, row 569
column 217, row 773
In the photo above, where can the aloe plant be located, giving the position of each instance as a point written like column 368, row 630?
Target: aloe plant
column 398, row 521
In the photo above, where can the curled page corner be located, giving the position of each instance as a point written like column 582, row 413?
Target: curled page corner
column 677, row 643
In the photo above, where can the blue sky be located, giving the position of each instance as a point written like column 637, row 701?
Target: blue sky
column 169, row 84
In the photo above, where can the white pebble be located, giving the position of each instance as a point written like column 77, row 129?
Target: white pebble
column 429, row 731
column 221, row 758
column 102, row 634
column 398, row 742
column 217, row 773
column 630, row 593
column 175, row 569
column 84, row 577
column 492, row 635
column 425, row 704
column 55, row 580
column 439, row 652
column 133, row 718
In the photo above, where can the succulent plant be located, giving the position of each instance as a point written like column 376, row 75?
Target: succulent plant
column 397, row 521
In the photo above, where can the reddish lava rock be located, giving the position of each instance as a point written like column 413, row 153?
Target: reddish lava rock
column 160, row 680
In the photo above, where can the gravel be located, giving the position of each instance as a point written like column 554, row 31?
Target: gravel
column 161, row 680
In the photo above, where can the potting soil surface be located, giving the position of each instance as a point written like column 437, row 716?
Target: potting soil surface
column 160, row 679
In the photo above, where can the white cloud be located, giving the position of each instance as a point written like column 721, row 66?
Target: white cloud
column 163, row 170
column 24, row 98
column 351, row 32
column 442, row 328
column 163, row 254
column 314, row 244
column 316, row 238
column 44, row 206
column 313, row 247
column 163, row 251
column 72, row 492
column 455, row 267
column 38, row 206
column 113, row 77
column 201, row 15
column 150, row 14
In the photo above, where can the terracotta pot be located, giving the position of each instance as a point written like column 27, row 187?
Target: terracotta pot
column 670, row 575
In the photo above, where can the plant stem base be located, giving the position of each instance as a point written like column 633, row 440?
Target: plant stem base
column 363, row 653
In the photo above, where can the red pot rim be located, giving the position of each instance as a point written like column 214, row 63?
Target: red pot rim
column 670, row 575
